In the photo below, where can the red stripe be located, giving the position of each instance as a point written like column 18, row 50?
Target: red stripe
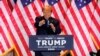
column 62, row 25
column 77, row 41
column 55, row 13
column 18, row 30
column 1, row 48
column 68, row 4
column 35, row 9
column 74, row 53
column 30, row 18
column 9, row 30
column 84, row 19
column 64, row 15
column 5, row 38
column 98, row 10
column 10, row 5
column 56, row 16
column 80, row 47
column 21, row 17
column 75, row 37
column 93, row 18
column 84, row 36
column 0, row 12
column 80, row 29
column 41, row 3
column 86, row 23
column 6, row 23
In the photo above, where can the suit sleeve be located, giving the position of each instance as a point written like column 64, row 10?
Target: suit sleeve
column 37, row 20
column 57, row 26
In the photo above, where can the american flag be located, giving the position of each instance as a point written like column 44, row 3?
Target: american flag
column 80, row 18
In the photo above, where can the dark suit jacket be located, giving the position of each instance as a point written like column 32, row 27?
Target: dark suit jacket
column 46, row 29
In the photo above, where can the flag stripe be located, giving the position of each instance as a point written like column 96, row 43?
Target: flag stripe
column 79, row 27
column 64, row 7
column 93, row 18
column 1, row 47
column 75, row 35
column 2, row 42
column 62, row 14
column 84, row 35
column 84, row 28
column 6, row 43
column 10, row 24
column 7, row 26
column 58, row 13
column 93, row 23
column 21, row 35
column 89, row 22
column 4, row 37
column 96, row 45
column 87, row 25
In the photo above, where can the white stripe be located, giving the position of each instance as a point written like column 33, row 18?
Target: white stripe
column 63, row 21
column 65, row 9
column 33, row 53
column 91, row 23
column 64, row 5
column 97, row 17
column 30, row 26
column 26, row 21
column 5, row 31
column 13, row 30
column 26, row 17
column 69, row 32
column 94, row 12
column 67, row 28
column 20, row 26
column 12, row 2
column 32, row 12
column 36, row 3
column 92, row 7
column 0, row 52
column 78, row 34
column 46, row 2
column 3, row 43
column 84, row 28
column 99, row 3
column 77, row 49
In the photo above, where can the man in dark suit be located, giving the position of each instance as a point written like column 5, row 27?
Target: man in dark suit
column 47, row 25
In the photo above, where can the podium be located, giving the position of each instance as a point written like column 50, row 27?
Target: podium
column 50, row 45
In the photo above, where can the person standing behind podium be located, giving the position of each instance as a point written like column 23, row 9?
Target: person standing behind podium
column 46, row 25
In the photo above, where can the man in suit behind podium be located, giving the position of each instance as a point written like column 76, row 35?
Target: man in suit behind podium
column 46, row 25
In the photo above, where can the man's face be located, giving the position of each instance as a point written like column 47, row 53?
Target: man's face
column 47, row 12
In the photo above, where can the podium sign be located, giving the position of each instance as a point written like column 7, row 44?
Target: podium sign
column 50, row 42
